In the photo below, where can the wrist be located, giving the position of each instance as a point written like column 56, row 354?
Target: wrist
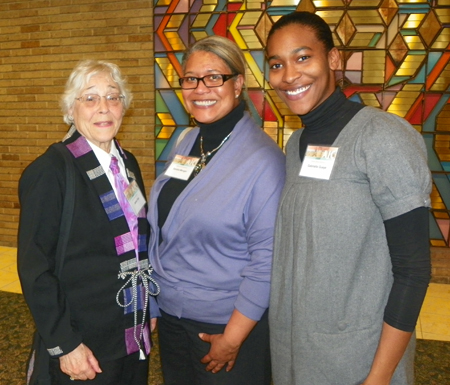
column 233, row 339
column 378, row 378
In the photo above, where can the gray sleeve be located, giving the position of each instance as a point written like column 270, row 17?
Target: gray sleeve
column 393, row 156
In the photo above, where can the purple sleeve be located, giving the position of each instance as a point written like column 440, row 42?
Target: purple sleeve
column 260, row 216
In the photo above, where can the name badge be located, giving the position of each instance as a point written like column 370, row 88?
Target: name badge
column 182, row 167
column 135, row 197
column 318, row 162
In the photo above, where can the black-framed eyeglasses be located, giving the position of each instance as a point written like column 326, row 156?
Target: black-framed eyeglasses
column 93, row 100
column 210, row 81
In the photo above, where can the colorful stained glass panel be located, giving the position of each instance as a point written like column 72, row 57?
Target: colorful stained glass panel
column 395, row 56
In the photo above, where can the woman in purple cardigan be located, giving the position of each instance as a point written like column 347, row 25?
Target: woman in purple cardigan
column 212, row 215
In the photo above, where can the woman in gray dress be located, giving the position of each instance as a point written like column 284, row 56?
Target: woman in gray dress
column 351, row 255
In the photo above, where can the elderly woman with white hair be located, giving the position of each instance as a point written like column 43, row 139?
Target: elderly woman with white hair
column 91, row 314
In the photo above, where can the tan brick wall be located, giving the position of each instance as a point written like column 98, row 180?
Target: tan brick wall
column 40, row 43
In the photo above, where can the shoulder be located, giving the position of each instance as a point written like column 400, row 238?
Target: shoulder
column 258, row 140
column 376, row 129
column 258, row 152
column 51, row 160
column 384, row 140
column 384, row 121
column 46, row 171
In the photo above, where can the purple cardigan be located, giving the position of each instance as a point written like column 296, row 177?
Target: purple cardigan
column 218, row 237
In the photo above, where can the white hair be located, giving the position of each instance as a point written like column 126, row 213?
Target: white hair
column 82, row 74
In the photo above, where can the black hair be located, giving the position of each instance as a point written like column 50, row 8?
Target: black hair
column 307, row 19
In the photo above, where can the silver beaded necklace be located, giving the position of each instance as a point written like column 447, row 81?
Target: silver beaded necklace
column 202, row 163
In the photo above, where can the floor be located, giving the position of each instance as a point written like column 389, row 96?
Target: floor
column 433, row 324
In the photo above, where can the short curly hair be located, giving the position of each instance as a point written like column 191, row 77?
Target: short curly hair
column 82, row 74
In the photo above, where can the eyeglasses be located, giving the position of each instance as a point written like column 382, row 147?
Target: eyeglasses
column 93, row 100
column 210, row 81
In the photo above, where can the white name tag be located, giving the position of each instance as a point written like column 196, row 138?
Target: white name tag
column 135, row 197
column 182, row 167
column 318, row 162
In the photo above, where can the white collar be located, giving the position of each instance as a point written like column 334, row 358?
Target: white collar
column 105, row 159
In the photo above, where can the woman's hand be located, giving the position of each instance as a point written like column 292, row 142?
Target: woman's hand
column 392, row 346
column 225, row 347
column 80, row 364
column 222, row 352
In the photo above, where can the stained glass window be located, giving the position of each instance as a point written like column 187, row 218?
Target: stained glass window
column 395, row 56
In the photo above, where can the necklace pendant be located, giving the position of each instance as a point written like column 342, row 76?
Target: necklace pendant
column 200, row 166
column 202, row 163
column 197, row 169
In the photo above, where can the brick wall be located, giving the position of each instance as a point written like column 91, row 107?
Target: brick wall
column 40, row 43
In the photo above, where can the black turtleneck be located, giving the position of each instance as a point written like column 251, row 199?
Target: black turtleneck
column 407, row 234
column 213, row 134
column 323, row 124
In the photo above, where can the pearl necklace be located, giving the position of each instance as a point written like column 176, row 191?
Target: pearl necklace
column 202, row 163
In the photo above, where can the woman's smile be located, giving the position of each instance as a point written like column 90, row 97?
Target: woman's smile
column 297, row 91
column 204, row 103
